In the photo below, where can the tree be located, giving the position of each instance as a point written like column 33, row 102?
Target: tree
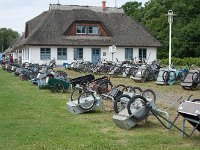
column 134, row 10
column 6, row 38
column 185, row 29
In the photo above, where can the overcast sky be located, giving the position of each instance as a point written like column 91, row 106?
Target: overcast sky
column 14, row 13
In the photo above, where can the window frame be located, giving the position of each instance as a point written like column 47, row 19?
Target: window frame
column 81, row 29
column 77, row 54
column 61, row 56
column 87, row 29
column 93, row 30
column 45, row 53
column 128, row 52
column 142, row 53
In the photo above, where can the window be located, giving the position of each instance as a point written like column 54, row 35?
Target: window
column 87, row 29
column 62, row 53
column 45, row 53
column 78, row 53
column 80, row 29
column 142, row 53
column 128, row 53
column 93, row 30
column 26, row 54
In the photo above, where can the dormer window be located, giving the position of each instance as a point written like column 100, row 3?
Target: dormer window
column 81, row 30
column 86, row 28
column 93, row 30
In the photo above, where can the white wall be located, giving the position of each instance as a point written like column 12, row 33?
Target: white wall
column 34, row 54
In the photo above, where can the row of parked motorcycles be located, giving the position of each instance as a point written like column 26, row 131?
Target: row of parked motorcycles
column 141, row 72
column 130, row 104
column 45, row 76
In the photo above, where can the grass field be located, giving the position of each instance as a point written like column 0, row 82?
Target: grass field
column 38, row 119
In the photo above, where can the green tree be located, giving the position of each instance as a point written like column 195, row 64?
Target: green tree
column 134, row 10
column 185, row 28
column 6, row 38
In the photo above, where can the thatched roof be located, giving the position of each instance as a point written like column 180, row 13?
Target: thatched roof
column 49, row 27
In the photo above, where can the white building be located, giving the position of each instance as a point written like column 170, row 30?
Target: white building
column 66, row 33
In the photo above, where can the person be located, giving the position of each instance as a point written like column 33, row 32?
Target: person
column 11, row 59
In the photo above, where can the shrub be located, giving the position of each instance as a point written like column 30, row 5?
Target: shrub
column 181, row 61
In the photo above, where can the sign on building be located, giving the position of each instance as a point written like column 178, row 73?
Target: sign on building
column 112, row 49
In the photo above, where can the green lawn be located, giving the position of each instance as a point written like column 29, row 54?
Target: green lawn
column 38, row 119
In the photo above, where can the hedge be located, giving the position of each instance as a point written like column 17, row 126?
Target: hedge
column 181, row 61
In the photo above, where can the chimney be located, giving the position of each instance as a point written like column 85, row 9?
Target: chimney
column 103, row 5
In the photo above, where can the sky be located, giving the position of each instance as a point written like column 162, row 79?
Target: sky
column 14, row 13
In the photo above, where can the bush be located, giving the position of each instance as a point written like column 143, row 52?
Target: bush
column 181, row 61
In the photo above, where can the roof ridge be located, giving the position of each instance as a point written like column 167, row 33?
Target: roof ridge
column 93, row 8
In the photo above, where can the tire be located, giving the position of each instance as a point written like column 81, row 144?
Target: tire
column 144, row 73
column 85, row 97
column 52, row 89
column 165, row 76
column 137, row 90
column 133, row 71
column 121, row 102
column 75, row 94
column 150, row 74
column 104, row 87
column 195, row 77
column 120, row 87
column 128, row 89
column 22, row 77
column 148, row 93
column 136, row 102
column 59, row 88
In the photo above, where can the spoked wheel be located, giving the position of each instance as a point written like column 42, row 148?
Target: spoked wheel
column 147, row 74
column 133, row 71
column 104, row 87
column 120, row 87
column 86, row 100
column 137, row 90
column 149, row 94
column 58, row 88
column 75, row 94
column 128, row 89
column 137, row 108
column 121, row 103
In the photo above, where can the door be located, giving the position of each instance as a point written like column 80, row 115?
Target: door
column 96, row 55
